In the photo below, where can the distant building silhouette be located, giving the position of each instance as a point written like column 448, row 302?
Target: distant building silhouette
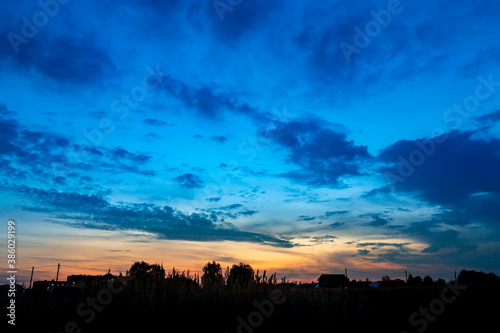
column 48, row 285
column 333, row 281
column 85, row 280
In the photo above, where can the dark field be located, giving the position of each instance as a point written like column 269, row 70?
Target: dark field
column 180, row 306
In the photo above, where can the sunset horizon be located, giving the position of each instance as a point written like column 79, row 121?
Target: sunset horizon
column 301, row 138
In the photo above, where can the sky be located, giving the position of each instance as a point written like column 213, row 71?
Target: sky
column 300, row 137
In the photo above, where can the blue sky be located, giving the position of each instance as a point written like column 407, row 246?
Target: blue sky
column 304, row 137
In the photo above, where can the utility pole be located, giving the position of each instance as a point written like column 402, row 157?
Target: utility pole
column 31, row 279
column 57, row 275
column 406, row 274
column 345, row 272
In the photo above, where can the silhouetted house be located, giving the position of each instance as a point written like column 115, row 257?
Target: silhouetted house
column 86, row 280
column 333, row 281
column 48, row 285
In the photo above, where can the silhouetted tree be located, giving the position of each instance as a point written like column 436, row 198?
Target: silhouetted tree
column 440, row 282
column 241, row 275
column 472, row 277
column 428, row 281
column 143, row 271
column 212, row 275
column 417, row 281
column 414, row 281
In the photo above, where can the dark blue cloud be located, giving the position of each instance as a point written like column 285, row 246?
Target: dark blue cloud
column 376, row 192
column 91, row 211
column 306, row 218
column 189, row 181
column 428, row 231
column 233, row 206
column 376, row 245
column 72, row 57
column 233, row 20
column 459, row 172
column 248, row 212
column 323, row 154
column 154, row 122
column 52, row 199
column 207, row 101
column 377, row 221
column 489, row 118
column 484, row 61
column 336, row 212
column 323, row 239
column 120, row 153
column 47, row 156
column 219, row 139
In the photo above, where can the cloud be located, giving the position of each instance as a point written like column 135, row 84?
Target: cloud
column 336, row 224
column 229, row 210
column 47, row 156
column 377, row 220
column 483, row 61
column 164, row 222
column 231, row 207
column 430, row 232
column 232, row 21
column 206, row 101
column 52, row 199
column 489, row 118
column 189, row 181
column 154, row 122
column 323, row 154
column 461, row 174
column 323, row 239
column 306, row 218
column 72, row 57
column 248, row 212
column 376, row 245
column 377, row 192
column 213, row 199
column 336, row 212
column 120, row 153
column 219, row 139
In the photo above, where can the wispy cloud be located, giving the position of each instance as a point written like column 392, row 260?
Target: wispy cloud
column 164, row 222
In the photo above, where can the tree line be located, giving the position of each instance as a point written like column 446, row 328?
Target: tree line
column 242, row 275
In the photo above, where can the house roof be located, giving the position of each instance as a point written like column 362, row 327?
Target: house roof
column 332, row 277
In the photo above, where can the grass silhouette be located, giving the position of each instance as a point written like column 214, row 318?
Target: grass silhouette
column 149, row 297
